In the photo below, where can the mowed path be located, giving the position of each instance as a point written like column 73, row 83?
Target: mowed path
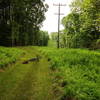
column 32, row 81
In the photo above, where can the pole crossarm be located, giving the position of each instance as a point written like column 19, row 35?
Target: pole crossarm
column 59, row 4
column 58, row 13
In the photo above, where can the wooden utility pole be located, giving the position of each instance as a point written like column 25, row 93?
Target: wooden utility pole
column 59, row 14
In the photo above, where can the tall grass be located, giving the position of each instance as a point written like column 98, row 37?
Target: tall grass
column 8, row 55
column 80, row 72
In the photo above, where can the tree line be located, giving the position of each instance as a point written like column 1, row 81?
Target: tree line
column 82, row 25
column 20, row 22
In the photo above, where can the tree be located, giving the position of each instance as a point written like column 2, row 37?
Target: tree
column 22, row 21
column 43, row 38
column 82, row 24
column 54, row 36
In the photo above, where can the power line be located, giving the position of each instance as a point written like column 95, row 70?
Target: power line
column 59, row 14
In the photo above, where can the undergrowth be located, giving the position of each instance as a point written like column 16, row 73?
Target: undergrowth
column 79, row 71
column 9, row 55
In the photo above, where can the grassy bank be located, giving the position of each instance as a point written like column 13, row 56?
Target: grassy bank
column 78, row 72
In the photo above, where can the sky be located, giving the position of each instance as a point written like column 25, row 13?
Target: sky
column 51, row 22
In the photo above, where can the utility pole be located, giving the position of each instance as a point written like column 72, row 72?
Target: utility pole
column 59, row 14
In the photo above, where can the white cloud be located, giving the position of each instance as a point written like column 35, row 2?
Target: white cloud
column 51, row 22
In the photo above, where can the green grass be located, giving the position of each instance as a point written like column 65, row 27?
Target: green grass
column 76, row 72
column 9, row 55
column 52, row 43
column 79, row 70
column 32, row 81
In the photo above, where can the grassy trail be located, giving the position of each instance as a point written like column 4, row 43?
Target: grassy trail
column 31, row 81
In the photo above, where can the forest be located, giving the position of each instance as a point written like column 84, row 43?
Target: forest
column 20, row 25
column 32, row 67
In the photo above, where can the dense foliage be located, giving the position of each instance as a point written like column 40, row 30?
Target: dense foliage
column 9, row 55
column 82, row 25
column 78, row 70
column 62, row 38
column 43, row 38
column 20, row 21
